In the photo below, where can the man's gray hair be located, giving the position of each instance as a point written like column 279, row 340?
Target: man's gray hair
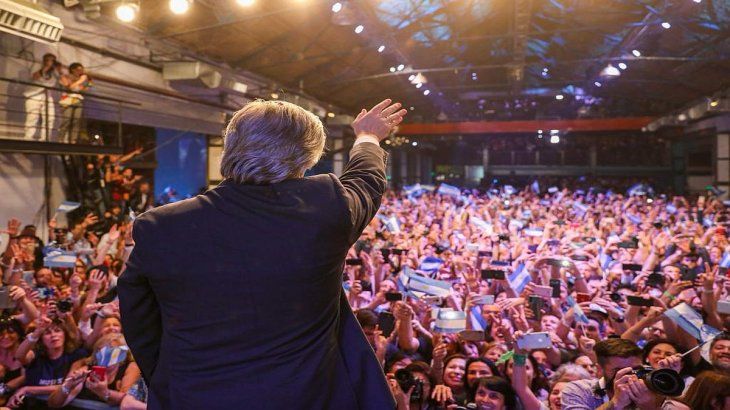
column 270, row 141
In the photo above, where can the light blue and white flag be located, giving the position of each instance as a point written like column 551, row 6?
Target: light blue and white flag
column 477, row 321
column 58, row 258
column 109, row 356
column 707, row 222
column 509, row 190
column 450, row 322
column 604, row 260
column 485, row 226
column 691, row 322
column 635, row 219
column 580, row 316
column 516, row 223
column 431, row 264
column 519, row 278
column 413, row 190
column 579, row 208
column 67, row 206
column 725, row 261
column 535, row 187
column 553, row 189
column 447, row 189
column 537, row 233
column 671, row 209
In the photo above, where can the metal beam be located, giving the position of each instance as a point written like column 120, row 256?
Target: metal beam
column 39, row 147
column 495, row 127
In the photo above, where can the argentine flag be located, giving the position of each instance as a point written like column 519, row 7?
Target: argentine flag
column 725, row 261
column 519, row 278
column 446, row 189
column 67, row 206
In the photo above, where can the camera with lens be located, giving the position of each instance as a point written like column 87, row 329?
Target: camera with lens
column 406, row 380
column 64, row 305
column 666, row 382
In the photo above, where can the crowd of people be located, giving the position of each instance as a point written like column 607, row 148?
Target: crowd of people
column 505, row 299
column 546, row 300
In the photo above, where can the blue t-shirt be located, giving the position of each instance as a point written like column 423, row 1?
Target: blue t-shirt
column 43, row 371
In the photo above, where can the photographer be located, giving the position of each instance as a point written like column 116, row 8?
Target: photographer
column 619, row 387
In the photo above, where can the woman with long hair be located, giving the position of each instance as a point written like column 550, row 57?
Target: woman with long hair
column 709, row 391
column 84, row 382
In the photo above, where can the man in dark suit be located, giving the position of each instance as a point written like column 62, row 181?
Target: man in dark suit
column 233, row 299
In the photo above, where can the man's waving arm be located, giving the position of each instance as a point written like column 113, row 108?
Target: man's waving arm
column 364, row 176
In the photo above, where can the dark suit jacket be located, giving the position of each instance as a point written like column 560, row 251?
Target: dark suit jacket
column 233, row 299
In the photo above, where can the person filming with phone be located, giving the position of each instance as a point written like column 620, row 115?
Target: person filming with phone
column 234, row 298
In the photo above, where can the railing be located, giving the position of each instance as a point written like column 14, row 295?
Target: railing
column 34, row 112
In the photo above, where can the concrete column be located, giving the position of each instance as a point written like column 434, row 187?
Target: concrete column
column 722, row 163
column 593, row 156
column 338, row 142
column 403, row 167
column 417, row 169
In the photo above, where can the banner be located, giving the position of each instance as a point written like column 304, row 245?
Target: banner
column 446, row 189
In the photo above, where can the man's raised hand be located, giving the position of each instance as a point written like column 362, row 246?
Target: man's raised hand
column 380, row 120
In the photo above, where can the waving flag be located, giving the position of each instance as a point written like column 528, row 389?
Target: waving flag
column 671, row 209
column 446, row 189
column 57, row 258
column 485, row 226
column 580, row 209
column 109, row 356
column 691, row 322
column 509, row 189
column 450, row 322
column 516, row 223
column 67, row 206
column 519, row 278
column 635, row 219
column 725, row 261
column 413, row 191
column 431, row 264
column 537, row 233
column 553, row 189
column 535, row 187
column 477, row 321
column 580, row 316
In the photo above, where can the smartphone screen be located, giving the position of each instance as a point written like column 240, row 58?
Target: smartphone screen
column 393, row 296
column 555, row 285
column 632, row 267
column 638, row 301
column 655, row 280
column 386, row 323
column 492, row 274
column 353, row 262
column 532, row 341
column 484, row 254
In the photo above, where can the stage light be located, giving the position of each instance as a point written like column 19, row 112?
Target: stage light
column 415, row 144
column 610, row 71
column 714, row 103
column 359, row 29
column 392, row 69
column 411, row 77
column 427, row 92
column 649, row 200
column 275, row 96
column 554, row 139
column 331, row 115
column 666, row 25
column 381, row 49
column 419, row 85
column 179, row 6
column 622, row 66
column 413, row 108
column 559, row 97
column 245, row 3
column 553, row 132
column 636, row 53
column 400, row 67
column 697, row 1
column 597, row 84
column 337, row 7
column 127, row 12
column 539, row 131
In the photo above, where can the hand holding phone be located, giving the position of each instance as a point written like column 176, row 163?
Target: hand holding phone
column 532, row 341
column 493, row 274
column 393, row 297
column 639, row 301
